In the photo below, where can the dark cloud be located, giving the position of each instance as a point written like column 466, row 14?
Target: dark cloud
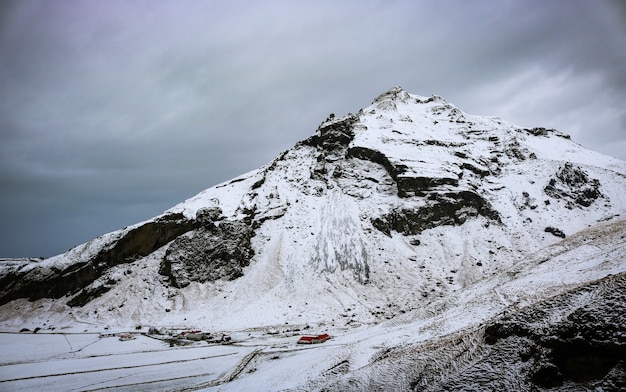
column 113, row 111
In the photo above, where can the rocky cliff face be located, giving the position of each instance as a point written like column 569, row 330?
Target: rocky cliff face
column 209, row 253
column 574, row 185
column 49, row 280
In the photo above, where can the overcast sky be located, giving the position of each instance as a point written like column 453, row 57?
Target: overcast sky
column 113, row 111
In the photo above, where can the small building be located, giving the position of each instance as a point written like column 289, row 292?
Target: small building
column 195, row 336
column 127, row 336
column 306, row 339
column 314, row 339
column 157, row 331
column 321, row 338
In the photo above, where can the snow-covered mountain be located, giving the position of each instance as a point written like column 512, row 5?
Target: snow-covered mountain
column 426, row 240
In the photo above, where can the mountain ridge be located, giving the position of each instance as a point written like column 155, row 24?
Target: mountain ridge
column 443, row 184
column 399, row 215
column 451, row 175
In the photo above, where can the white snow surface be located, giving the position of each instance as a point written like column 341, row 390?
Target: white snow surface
column 320, row 266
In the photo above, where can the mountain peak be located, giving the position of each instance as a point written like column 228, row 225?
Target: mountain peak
column 410, row 182
column 392, row 93
column 393, row 229
column 396, row 94
column 389, row 98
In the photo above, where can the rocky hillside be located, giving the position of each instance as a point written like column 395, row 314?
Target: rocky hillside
column 378, row 216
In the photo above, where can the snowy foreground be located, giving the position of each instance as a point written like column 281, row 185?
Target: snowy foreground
column 84, row 361
column 441, row 340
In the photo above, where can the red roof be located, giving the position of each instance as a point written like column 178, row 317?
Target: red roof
column 314, row 339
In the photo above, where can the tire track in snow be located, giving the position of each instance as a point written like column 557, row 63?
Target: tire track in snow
column 115, row 368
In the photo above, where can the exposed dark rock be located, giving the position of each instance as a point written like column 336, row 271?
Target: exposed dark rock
column 258, row 184
column 504, row 329
column 584, row 348
column 44, row 282
column 320, row 171
column 537, row 131
column 333, row 134
column 388, row 99
column 529, row 202
column 418, row 185
column 574, row 186
column 548, row 375
column 210, row 253
column 208, row 215
column 443, row 209
column 554, row 231
column 540, row 131
column 145, row 239
column 40, row 282
column 87, row 294
column 515, row 151
column 374, row 156
column 407, row 185
column 439, row 143
column 474, row 169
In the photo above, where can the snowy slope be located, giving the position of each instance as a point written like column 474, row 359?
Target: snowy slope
column 410, row 221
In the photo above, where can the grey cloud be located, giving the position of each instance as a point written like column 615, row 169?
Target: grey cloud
column 113, row 111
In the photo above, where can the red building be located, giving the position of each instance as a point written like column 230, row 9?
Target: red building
column 314, row 339
column 321, row 338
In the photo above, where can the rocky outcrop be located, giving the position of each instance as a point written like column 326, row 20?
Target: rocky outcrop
column 373, row 156
column 408, row 185
column 145, row 239
column 51, row 282
column 573, row 185
column 333, row 134
column 582, row 349
column 540, row 131
column 418, row 185
column 89, row 293
column 441, row 209
column 555, row 232
column 388, row 100
column 212, row 252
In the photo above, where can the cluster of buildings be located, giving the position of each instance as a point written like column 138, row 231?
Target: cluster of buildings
column 124, row 336
column 190, row 336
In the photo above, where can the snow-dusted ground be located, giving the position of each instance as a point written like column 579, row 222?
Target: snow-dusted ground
column 83, row 362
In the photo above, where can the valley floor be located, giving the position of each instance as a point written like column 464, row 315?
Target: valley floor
column 87, row 362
